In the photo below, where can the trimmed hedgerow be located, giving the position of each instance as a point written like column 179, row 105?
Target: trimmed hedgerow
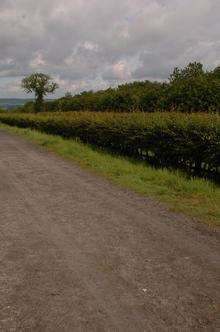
column 188, row 142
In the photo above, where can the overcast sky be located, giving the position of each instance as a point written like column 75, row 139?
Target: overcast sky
column 92, row 44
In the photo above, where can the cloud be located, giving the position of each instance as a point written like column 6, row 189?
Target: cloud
column 38, row 62
column 97, row 43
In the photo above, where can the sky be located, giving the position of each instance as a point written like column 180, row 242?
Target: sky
column 94, row 44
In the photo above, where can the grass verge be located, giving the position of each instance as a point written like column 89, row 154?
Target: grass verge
column 195, row 197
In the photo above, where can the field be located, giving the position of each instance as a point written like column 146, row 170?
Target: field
column 12, row 103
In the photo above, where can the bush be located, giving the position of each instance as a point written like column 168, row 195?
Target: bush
column 187, row 142
column 191, row 89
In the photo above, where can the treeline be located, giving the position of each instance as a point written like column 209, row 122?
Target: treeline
column 189, row 142
column 191, row 89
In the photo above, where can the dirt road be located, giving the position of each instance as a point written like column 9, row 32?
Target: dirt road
column 79, row 254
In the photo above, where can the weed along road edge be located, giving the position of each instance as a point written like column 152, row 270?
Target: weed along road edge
column 80, row 254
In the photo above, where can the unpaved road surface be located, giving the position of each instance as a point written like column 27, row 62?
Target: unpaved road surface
column 79, row 254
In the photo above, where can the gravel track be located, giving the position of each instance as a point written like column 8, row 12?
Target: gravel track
column 80, row 254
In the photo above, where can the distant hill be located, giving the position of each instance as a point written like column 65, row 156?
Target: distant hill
column 11, row 103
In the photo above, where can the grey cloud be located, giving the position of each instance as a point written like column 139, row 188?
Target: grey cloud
column 97, row 43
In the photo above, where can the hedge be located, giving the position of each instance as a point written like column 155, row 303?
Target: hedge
column 188, row 142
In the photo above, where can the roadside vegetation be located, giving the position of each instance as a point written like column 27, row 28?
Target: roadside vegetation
column 159, row 139
column 191, row 89
column 195, row 197
column 189, row 142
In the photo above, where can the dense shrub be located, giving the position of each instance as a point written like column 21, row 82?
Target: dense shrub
column 188, row 142
column 191, row 89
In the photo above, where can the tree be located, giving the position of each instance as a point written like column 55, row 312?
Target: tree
column 41, row 85
column 216, row 73
column 191, row 71
column 193, row 89
column 68, row 94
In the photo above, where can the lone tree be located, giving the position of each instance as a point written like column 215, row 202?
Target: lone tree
column 41, row 85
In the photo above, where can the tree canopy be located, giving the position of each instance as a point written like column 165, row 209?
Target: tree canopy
column 188, row 89
column 40, row 84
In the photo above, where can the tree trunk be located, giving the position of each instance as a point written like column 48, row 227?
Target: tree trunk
column 39, row 103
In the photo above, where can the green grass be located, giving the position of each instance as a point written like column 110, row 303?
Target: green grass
column 195, row 197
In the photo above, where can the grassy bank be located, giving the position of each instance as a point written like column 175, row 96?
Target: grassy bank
column 189, row 142
column 194, row 197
